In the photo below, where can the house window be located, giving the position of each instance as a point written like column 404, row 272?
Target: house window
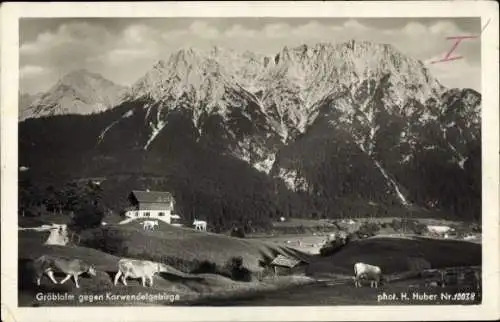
column 146, row 214
column 161, row 214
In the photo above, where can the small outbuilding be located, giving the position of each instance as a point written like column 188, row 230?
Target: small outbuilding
column 283, row 265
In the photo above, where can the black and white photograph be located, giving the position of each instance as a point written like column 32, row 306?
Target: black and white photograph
column 251, row 161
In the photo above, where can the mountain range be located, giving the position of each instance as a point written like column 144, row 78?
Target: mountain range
column 330, row 129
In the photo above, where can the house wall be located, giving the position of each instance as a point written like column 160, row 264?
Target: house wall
column 300, row 269
column 164, row 215
column 281, row 270
column 155, row 206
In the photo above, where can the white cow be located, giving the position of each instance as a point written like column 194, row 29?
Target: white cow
column 138, row 269
column 58, row 235
column 367, row 271
column 200, row 224
column 150, row 224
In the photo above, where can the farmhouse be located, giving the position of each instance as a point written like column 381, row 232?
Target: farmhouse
column 152, row 204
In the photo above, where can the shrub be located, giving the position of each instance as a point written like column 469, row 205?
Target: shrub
column 86, row 216
column 238, row 232
column 301, row 229
column 205, row 267
column 234, row 269
column 396, row 224
column 369, row 229
column 332, row 247
column 476, row 228
column 419, row 228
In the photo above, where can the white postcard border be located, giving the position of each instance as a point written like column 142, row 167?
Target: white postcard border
column 487, row 10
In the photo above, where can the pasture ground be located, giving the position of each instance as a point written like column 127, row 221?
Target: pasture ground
column 326, row 294
column 185, row 249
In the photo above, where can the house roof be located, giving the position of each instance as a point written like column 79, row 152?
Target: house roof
column 152, row 196
column 281, row 260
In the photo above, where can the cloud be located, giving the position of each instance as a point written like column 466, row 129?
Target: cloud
column 31, row 71
column 78, row 45
column 204, row 30
column 457, row 73
column 80, row 34
column 312, row 29
column 120, row 56
column 446, row 28
column 136, row 34
column 276, row 30
column 239, row 31
column 414, row 29
column 354, row 24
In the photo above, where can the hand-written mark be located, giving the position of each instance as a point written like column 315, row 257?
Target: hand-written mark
column 457, row 39
column 486, row 25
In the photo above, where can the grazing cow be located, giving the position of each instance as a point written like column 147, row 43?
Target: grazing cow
column 138, row 269
column 72, row 267
column 200, row 224
column 366, row 271
column 150, row 224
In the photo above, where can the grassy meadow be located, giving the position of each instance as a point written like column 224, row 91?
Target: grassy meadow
column 198, row 262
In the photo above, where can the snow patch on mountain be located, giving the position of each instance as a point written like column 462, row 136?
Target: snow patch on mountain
column 266, row 164
column 156, row 129
column 293, row 180
column 392, row 183
column 103, row 133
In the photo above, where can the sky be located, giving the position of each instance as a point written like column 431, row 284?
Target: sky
column 124, row 49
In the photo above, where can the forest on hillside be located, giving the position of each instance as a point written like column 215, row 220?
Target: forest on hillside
column 210, row 184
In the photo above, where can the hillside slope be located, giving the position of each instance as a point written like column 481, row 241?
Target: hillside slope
column 393, row 255
column 185, row 249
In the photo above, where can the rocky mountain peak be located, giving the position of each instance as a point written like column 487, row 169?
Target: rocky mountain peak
column 78, row 92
